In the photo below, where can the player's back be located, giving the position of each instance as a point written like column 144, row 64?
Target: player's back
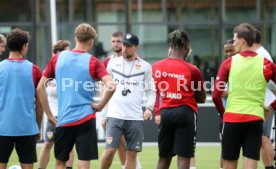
column 175, row 79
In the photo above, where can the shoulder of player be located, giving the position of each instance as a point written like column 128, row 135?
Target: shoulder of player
column 268, row 62
column 54, row 57
column 37, row 68
column 143, row 63
column 157, row 63
column 229, row 59
column 193, row 68
column 94, row 59
column 107, row 59
column 115, row 61
column 261, row 51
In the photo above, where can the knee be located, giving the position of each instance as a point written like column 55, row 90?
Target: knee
column 72, row 153
column 131, row 155
column 265, row 141
column 48, row 146
column 109, row 152
column 59, row 162
column 122, row 146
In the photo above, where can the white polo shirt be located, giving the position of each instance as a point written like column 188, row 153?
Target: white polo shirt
column 135, row 77
column 52, row 98
column 269, row 96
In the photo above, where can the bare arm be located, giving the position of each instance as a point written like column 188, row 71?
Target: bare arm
column 110, row 89
column 39, row 111
column 225, row 93
column 42, row 95
column 272, row 86
column 200, row 96
column 150, row 93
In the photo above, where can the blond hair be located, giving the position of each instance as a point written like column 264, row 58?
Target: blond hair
column 85, row 32
column 3, row 39
column 60, row 46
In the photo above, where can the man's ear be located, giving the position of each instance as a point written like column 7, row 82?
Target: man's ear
column 243, row 42
column 91, row 42
column 23, row 47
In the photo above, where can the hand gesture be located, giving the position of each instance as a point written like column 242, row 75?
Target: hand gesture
column 97, row 107
column 157, row 119
column 147, row 114
column 268, row 111
column 38, row 136
column 53, row 120
column 104, row 124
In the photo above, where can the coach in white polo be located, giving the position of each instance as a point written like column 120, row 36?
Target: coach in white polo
column 133, row 78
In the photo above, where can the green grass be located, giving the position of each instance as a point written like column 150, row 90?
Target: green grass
column 207, row 157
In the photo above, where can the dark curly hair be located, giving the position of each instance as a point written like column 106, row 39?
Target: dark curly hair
column 16, row 39
column 179, row 40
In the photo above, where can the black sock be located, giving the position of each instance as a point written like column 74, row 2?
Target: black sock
column 69, row 167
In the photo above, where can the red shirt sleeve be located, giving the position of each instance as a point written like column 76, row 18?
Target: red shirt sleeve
column 50, row 69
column 97, row 69
column 268, row 69
column 157, row 103
column 197, row 79
column 273, row 78
column 156, row 107
column 36, row 75
column 106, row 61
column 220, row 83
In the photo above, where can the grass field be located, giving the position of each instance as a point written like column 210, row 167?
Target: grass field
column 207, row 157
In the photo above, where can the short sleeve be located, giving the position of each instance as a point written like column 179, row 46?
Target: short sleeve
column 49, row 71
column 36, row 74
column 97, row 69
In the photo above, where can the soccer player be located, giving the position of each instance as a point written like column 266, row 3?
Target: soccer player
column 51, row 89
column 267, row 152
column 229, row 50
column 75, row 72
column 133, row 77
column 20, row 109
column 117, row 44
column 247, row 74
column 180, row 86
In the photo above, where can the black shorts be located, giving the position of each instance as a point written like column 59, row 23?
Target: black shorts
column 25, row 147
column 247, row 135
column 177, row 134
column 83, row 135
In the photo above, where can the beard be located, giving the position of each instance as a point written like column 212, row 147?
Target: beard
column 128, row 56
column 117, row 50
